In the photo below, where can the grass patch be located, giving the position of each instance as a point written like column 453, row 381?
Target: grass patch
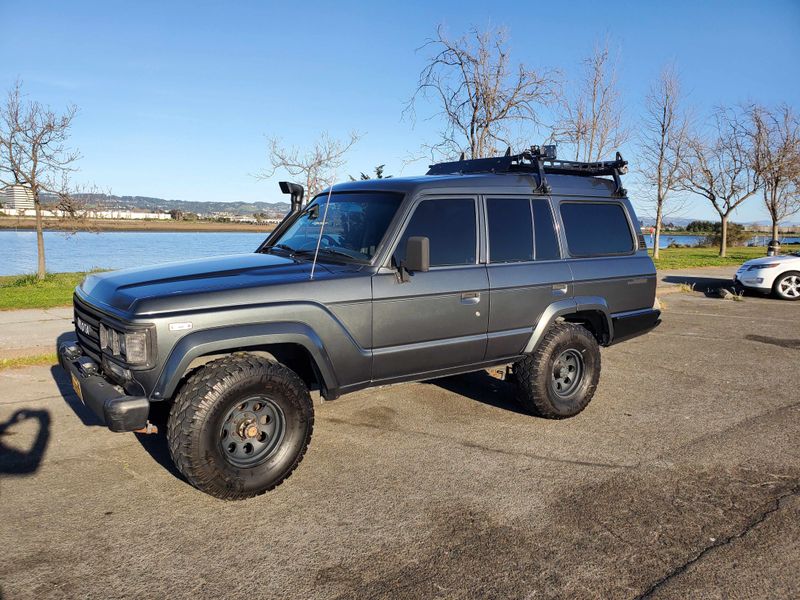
column 25, row 291
column 28, row 361
column 684, row 258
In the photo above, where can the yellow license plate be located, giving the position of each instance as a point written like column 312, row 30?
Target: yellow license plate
column 76, row 385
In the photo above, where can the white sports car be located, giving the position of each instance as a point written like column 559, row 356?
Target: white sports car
column 777, row 274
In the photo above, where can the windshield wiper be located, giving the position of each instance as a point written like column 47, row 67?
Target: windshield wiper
column 329, row 251
column 288, row 249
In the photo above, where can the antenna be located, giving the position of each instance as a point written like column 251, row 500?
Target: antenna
column 321, row 227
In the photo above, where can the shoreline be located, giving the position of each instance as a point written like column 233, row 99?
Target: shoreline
column 102, row 225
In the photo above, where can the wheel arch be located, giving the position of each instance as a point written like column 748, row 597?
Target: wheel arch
column 590, row 311
column 295, row 345
column 780, row 276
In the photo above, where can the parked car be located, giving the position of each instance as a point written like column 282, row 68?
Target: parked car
column 523, row 264
column 778, row 275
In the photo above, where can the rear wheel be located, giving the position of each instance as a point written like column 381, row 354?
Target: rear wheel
column 787, row 286
column 559, row 379
column 240, row 426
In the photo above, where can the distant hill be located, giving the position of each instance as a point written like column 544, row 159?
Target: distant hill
column 145, row 203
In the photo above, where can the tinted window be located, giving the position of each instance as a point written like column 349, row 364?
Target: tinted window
column 510, row 231
column 546, row 240
column 594, row 228
column 450, row 227
column 354, row 225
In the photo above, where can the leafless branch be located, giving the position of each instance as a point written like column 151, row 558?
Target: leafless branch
column 662, row 143
column 480, row 96
column 315, row 168
column 775, row 135
column 721, row 166
column 34, row 153
column 591, row 121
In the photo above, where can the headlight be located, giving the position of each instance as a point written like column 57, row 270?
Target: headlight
column 131, row 347
column 135, row 347
column 765, row 266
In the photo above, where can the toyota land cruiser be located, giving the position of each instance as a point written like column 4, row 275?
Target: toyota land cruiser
column 522, row 263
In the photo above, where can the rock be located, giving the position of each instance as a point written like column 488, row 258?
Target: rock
column 725, row 294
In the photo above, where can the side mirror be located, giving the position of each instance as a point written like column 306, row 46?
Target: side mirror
column 418, row 257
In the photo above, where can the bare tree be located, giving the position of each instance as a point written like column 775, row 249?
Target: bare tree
column 34, row 153
column 480, row 95
column 721, row 167
column 662, row 141
column 315, row 168
column 592, row 118
column 776, row 138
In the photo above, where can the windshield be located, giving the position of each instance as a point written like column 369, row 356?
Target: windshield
column 355, row 225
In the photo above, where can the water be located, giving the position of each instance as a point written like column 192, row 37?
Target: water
column 116, row 249
column 693, row 240
column 120, row 249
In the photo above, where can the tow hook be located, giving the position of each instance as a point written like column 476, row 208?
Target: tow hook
column 147, row 429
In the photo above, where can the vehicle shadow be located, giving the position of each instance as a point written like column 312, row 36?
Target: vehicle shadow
column 64, row 384
column 707, row 285
column 155, row 444
column 483, row 388
column 16, row 461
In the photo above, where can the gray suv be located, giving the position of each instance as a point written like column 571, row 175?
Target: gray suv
column 522, row 264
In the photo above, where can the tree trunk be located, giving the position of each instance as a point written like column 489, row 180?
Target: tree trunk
column 657, row 237
column 723, row 241
column 775, row 229
column 41, row 270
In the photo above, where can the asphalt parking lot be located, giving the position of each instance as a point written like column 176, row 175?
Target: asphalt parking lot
column 681, row 479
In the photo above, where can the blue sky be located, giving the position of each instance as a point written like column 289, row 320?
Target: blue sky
column 176, row 98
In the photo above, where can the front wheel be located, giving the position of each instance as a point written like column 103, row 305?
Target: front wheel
column 787, row 286
column 240, row 426
column 559, row 379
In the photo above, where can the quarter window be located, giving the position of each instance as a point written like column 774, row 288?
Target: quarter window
column 510, row 230
column 596, row 228
column 449, row 225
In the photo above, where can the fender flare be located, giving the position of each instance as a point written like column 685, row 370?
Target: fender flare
column 568, row 306
column 221, row 339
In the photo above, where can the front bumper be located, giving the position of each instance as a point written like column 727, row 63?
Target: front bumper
column 753, row 280
column 118, row 411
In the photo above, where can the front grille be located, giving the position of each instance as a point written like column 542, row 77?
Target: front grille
column 90, row 339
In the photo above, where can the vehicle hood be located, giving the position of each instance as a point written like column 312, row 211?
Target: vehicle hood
column 765, row 260
column 129, row 290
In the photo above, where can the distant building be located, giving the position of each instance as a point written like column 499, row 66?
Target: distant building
column 16, row 197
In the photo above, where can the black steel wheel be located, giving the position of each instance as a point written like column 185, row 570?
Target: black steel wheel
column 559, row 378
column 239, row 426
column 567, row 373
column 252, row 431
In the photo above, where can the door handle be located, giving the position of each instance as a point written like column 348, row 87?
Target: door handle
column 560, row 288
column 470, row 297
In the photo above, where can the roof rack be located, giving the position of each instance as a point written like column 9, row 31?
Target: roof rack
column 539, row 160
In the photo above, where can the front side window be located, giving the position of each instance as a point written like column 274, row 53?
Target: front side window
column 596, row 228
column 510, row 230
column 354, row 226
column 449, row 225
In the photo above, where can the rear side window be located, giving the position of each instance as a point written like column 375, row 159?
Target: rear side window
column 510, row 230
column 596, row 228
column 450, row 228
column 546, row 240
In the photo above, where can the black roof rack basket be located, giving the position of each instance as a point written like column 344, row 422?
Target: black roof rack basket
column 539, row 160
